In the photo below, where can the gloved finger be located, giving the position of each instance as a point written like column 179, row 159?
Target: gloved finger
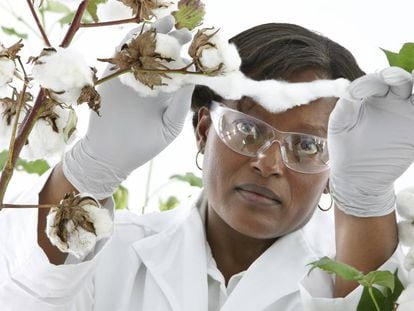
column 165, row 24
column 399, row 80
column 183, row 35
column 368, row 85
column 177, row 109
column 344, row 116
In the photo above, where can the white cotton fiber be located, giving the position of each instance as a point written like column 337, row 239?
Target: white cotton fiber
column 406, row 232
column 405, row 203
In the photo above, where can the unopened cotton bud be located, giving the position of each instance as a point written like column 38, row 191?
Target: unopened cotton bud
column 406, row 233
column 405, row 203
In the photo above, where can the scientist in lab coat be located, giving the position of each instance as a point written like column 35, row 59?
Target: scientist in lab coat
column 243, row 244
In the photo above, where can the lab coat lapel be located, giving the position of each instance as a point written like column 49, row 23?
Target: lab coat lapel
column 176, row 259
column 276, row 273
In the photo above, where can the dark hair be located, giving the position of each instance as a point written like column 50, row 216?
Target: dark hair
column 278, row 51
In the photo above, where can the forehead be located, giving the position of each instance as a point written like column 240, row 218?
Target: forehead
column 311, row 118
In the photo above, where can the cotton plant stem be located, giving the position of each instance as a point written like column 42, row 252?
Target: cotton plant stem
column 111, row 23
column 38, row 23
column 124, row 71
column 27, row 206
column 371, row 293
column 20, row 141
column 74, row 26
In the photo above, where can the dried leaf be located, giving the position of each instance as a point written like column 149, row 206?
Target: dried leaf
column 90, row 96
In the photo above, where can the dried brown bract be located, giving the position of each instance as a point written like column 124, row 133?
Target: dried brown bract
column 90, row 96
column 140, row 57
column 10, row 106
column 12, row 51
column 70, row 209
column 143, row 9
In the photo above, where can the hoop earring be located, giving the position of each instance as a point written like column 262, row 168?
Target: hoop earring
column 196, row 160
column 330, row 205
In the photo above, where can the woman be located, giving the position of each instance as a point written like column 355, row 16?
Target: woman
column 244, row 244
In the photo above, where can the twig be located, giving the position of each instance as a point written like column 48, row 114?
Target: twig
column 134, row 19
column 39, row 25
column 27, row 206
column 74, row 27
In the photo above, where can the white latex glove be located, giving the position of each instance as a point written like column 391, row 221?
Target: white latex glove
column 132, row 129
column 371, row 142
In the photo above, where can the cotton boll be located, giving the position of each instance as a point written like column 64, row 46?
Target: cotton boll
column 80, row 242
column 7, row 69
column 44, row 141
column 210, row 58
column 63, row 71
column 166, row 8
column 405, row 203
column 113, row 10
column 167, row 46
column 406, row 233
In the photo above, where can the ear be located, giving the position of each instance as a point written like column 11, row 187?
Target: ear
column 203, row 126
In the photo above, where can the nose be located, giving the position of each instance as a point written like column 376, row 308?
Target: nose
column 269, row 162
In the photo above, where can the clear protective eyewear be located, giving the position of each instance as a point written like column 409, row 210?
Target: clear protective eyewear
column 251, row 137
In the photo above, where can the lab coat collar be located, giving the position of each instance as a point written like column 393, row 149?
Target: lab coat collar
column 176, row 258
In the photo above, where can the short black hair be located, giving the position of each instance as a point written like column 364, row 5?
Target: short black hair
column 279, row 51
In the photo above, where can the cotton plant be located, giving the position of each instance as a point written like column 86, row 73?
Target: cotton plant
column 149, row 61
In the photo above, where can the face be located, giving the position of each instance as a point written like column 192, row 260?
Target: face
column 236, row 185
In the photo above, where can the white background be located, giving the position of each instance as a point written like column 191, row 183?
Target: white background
column 361, row 26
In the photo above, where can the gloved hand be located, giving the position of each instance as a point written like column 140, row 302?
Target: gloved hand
column 132, row 129
column 371, row 142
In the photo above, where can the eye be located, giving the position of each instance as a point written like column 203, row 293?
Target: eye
column 307, row 145
column 247, row 128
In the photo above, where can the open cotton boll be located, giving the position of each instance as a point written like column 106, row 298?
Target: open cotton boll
column 44, row 141
column 405, row 203
column 77, row 224
column 406, row 232
column 166, row 7
column 7, row 69
column 275, row 96
column 113, row 10
column 63, row 71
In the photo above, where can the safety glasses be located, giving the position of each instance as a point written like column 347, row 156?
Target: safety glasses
column 251, row 137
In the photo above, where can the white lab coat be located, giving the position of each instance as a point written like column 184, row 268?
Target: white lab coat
column 157, row 262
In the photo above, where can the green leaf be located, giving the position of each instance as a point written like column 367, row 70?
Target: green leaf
column 189, row 15
column 13, row 32
column 66, row 19
column 343, row 270
column 93, row 7
column 121, row 197
column 398, row 288
column 190, row 178
column 30, row 167
column 169, row 204
column 381, row 278
column 366, row 303
column 404, row 58
column 55, row 7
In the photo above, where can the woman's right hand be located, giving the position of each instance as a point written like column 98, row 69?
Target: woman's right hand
column 131, row 130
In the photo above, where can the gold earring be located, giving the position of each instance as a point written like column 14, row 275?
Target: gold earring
column 330, row 205
column 196, row 160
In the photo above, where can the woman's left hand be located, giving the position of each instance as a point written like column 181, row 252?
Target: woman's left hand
column 371, row 142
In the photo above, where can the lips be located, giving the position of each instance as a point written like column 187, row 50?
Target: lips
column 260, row 191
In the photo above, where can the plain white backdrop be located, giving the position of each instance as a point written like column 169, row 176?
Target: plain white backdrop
column 361, row 26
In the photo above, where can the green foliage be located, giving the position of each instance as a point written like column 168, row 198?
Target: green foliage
column 169, row 204
column 189, row 178
column 13, row 32
column 372, row 298
column 93, row 7
column 190, row 14
column 121, row 197
column 31, row 167
column 404, row 58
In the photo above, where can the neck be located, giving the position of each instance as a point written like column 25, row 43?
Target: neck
column 233, row 251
